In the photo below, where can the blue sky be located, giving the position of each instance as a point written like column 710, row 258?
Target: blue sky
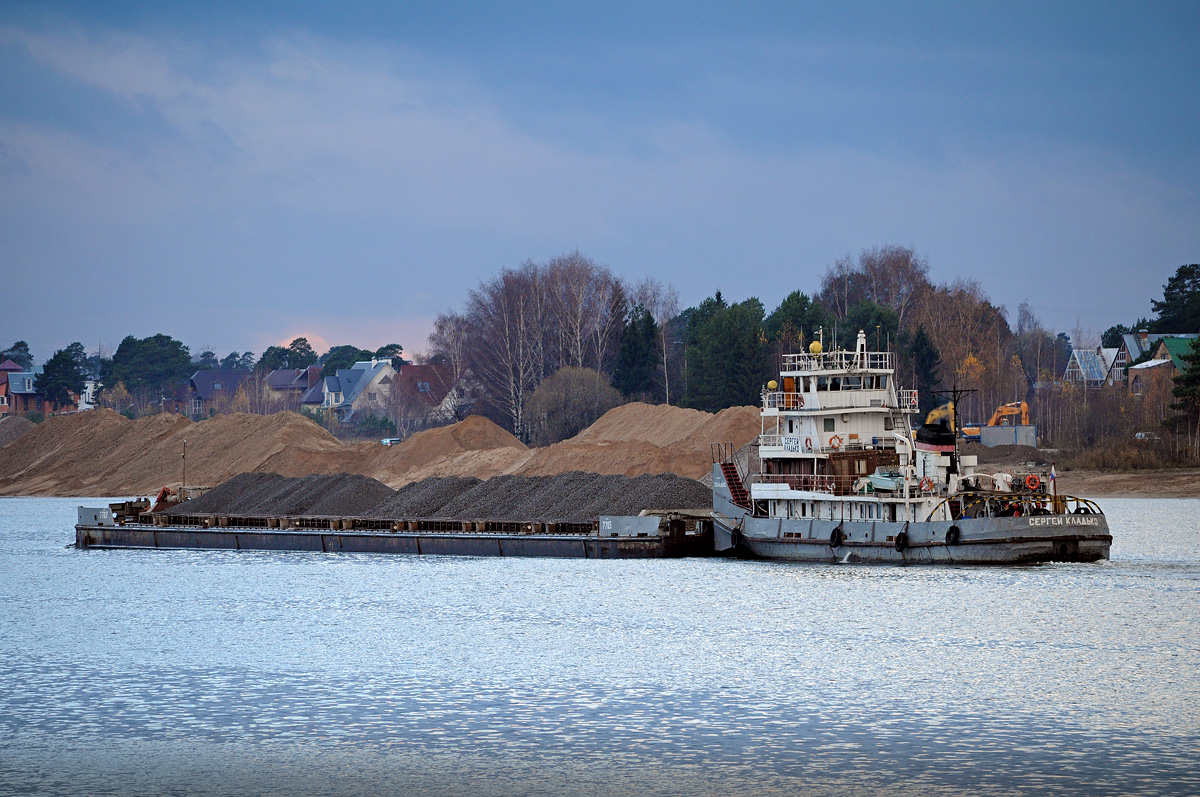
column 235, row 177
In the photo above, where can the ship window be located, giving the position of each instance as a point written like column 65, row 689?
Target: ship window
column 851, row 383
column 835, row 383
column 791, row 426
column 887, row 423
column 829, row 424
column 881, row 380
column 822, row 383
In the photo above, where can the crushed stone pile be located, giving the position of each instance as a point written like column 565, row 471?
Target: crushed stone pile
column 424, row 498
column 575, row 496
column 12, row 427
column 272, row 495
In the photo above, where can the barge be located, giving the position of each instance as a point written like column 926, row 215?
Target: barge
column 130, row 524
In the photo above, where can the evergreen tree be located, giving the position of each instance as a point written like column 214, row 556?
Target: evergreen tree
column 207, row 360
column 18, row 353
column 150, row 363
column 63, row 375
column 637, row 357
column 728, row 359
column 1179, row 310
column 926, row 363
column 795, row 321
column 300, row 354
column 340, row 357
column 1187, row 394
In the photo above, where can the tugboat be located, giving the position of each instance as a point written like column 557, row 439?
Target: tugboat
column 844, row 477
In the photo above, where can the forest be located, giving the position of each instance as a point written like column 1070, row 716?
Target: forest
column 546, row 348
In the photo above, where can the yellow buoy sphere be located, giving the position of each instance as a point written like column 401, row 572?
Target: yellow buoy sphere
column 772, row 385
column 814, row 347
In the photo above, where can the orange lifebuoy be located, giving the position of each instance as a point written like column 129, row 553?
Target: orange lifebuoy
column 835, row 441
column 808, row 444
column 1032, row 482
column 927, row 484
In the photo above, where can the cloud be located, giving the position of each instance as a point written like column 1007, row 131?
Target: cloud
column 305, row 168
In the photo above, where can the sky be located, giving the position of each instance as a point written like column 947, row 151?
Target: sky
column 235, row 175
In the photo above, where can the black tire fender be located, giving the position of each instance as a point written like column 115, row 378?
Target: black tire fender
column 953, row 534
column 836, row 538
column 902, row 541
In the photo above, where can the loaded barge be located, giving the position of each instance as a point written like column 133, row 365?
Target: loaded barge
column 135, row 524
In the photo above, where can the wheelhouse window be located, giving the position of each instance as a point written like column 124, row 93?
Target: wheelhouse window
column 829, row 424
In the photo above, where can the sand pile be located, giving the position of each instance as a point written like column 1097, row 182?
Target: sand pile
column 102, row 453
column 12, row 427
column 1003, row 455
column 473, row 447
column 638, row 438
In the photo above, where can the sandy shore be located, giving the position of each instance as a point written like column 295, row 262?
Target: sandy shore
column 1175, row 483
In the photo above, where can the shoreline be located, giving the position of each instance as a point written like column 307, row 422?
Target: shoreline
column 1170, row 483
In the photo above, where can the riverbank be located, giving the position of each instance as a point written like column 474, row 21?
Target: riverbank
column 1171, row 483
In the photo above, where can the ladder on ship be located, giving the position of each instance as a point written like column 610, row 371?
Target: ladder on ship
column 723, row 454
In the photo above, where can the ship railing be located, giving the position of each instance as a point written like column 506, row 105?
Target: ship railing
column 783, row 401
column 841, row 485
column 808, row 445
column 998, row 504
column 839, row 361
column 908, row 400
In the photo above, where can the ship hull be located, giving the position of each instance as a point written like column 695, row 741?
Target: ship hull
column 973, row 541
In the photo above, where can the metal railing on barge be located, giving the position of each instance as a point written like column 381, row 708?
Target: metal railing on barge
column 839, row 361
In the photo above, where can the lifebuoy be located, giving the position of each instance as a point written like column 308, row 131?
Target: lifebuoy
column 835, row 441
column 801, row 397
column 927, row 485
column 808, row 444
column 902, row 541
column 952, row 535
column 1032, row 482
column 835, row 539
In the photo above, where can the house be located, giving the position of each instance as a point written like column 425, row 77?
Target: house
column 1174, row 348
column 211, row 388
column 7, row 367
column 363, row 387
column 290, row 384
column 1137, row 345
column 1149, row 373
column 1091, row 367
column 23, row 397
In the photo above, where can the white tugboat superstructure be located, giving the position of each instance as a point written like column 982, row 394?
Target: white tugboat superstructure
column 844, row 478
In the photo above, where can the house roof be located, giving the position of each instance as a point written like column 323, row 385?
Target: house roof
column 356, row 378
column 314, row 395
column 1149, row 364
column 1092, row 363
column 218, row 381
column 22, row 382
column 9, row 365
column 1178, row 348
column 282, row 378
column 426, row 383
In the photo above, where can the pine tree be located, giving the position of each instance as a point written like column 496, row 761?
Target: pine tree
column 1187, row 393
column 637, row 358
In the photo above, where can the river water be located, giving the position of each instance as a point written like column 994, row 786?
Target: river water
column 214, row 672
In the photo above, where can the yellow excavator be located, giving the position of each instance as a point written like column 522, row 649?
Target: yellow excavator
column 945, row 412
column 1005, row 415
